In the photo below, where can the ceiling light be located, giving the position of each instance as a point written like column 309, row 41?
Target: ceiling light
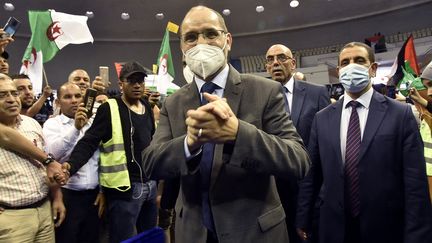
column 9, row 7
column 259, row 9
column 294, row 3
column 89, row 14
column 159, row 16
column 226, row 12
column 125, row 16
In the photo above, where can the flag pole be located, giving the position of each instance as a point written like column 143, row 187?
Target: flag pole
column 45, row 76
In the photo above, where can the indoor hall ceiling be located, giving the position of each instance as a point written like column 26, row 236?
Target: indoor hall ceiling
column 244, row 20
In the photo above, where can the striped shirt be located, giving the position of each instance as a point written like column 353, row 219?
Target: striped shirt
column 23, row 181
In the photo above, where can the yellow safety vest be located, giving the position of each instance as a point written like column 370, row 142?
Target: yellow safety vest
column 426, row 134
column 113, row 171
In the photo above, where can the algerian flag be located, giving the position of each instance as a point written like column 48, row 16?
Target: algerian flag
column 51, row 31
column 165, row 64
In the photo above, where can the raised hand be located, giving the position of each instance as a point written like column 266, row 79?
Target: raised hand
column 98, row 84
column 81, row 118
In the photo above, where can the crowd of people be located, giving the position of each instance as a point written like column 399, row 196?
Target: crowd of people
column 241, row 158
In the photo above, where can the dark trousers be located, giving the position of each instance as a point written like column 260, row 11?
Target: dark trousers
column 352, row 230
column 288, row 193
column 129, row 217
column 82, row 222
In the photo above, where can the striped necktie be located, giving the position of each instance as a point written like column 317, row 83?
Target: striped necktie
column 352, row 185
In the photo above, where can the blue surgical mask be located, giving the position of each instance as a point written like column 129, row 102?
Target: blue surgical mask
column 354, row 77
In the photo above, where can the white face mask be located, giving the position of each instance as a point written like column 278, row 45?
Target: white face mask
column 354, row 77
column 188, row 74
column 205, row 60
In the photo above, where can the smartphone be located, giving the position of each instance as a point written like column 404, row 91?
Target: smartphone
column 89, row 100
column 11, row 27
column 104, row 74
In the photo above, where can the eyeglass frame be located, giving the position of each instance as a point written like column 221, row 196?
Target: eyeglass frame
column 279, row 57
column 198, row 33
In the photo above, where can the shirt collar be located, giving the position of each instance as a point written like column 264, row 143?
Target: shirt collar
column 290, row 85
column 65, row 120
column 220, row 79
column 364, row 99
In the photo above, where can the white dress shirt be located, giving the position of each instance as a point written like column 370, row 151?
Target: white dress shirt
column 289, row 95
column 220, row 80
column 61, row 136
column 362, row 111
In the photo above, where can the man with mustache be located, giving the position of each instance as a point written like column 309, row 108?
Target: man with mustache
column 24, row 188
column 302, row 101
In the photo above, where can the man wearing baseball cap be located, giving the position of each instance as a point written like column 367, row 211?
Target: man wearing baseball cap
column 125, row 126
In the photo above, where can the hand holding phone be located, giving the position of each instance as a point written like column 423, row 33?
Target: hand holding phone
column 10, row 28
column 89, row 100
column 104, row 74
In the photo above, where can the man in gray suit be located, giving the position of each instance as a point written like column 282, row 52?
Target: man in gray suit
column 302, row 101
column 227, row 151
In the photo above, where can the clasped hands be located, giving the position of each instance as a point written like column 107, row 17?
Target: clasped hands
column 57, row 172
column 211, row 123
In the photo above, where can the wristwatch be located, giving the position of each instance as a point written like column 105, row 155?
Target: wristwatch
column 48, row 160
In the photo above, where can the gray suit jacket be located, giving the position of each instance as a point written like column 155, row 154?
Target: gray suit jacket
column 243, row 195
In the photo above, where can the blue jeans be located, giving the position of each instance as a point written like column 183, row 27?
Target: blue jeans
column 129, row 217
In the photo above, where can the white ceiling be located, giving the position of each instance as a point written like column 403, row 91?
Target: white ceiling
column 243, row 21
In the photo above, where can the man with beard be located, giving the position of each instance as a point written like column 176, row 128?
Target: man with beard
column 29, row 106
column 125, row 126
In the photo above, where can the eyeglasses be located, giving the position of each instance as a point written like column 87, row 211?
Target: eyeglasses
column 279, row 58
column 191, row 38
column 5, row 94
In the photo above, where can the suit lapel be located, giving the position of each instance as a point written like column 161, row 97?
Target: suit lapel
column 299, row 94
column 334, row 126
column 377, row 111
column 232, row 92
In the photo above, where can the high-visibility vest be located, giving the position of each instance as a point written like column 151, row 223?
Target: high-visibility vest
column 113, row 171
column 426, row 134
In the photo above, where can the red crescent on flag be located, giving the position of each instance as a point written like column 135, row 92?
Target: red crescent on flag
column 54, row 31
column 34, row 54
column 32, row 59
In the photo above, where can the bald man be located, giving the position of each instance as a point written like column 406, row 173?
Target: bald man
column 302, row 101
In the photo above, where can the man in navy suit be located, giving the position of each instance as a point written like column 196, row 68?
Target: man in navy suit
column 302, row 101
column 367, row 161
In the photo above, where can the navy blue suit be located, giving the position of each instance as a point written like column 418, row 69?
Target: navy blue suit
column 394, row 201
column 307, row 100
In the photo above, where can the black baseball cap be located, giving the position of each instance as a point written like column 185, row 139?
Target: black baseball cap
column 130, row 68
column 5, row 55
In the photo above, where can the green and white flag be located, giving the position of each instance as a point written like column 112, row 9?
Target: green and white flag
column 164, row 62
column 51, row 31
